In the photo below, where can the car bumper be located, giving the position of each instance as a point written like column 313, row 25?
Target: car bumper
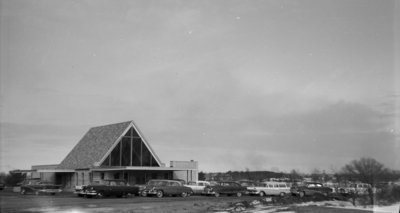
column 91, row 193
column 208, row 193
column 149, row 192
column 79, row 192
column 50, row 191
column 295, row 192
column 253, row 192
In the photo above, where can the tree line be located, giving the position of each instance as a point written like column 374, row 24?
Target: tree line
column 365, row 170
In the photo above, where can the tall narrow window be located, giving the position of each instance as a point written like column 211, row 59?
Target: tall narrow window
column 136, row 152
column 146, row 156
column 116, row 156
column 126, row 151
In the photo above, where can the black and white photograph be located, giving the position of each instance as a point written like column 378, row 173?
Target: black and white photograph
column 253, row 106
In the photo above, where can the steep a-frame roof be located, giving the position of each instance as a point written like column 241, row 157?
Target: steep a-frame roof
column 95, row 144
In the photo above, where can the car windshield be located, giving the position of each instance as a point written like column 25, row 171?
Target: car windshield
column 248, row 184
column 157, row 183
column 116, row 183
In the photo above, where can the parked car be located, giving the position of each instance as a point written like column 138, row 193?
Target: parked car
column 160, row 188
column 248, row 184
column 197, row 186
column 270, row 188
column 108, row 188
column 358, row 188
column 37, row 187
column 80, row 190
column 310, row 188
column 334, row 186
column 225, row 187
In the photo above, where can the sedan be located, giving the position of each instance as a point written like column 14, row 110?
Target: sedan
column 310, row 188
column 118, row 188
column 225, row 187
column 38, row 187
column 160, row 188
column 198, row 186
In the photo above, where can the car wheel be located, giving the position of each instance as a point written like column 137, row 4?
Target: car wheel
column 239, row 194
column 184, row 194
column 217, row 194
column 302, row 194
column 100, row 194
column 144, row 194
column 282, row 194
column 325, row 194
column 23, row 192
column 262, row 194
column 160, row 193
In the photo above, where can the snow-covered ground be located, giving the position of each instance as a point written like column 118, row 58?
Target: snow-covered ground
column 395, row 208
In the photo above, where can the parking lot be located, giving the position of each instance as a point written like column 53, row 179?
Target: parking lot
column 68, row 202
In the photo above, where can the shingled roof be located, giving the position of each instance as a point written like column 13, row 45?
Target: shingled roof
column 95, row 144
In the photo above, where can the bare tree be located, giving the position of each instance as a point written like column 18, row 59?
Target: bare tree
column 294, row 176
column 366, row 170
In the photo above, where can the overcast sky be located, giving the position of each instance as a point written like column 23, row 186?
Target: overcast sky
column 235, row 85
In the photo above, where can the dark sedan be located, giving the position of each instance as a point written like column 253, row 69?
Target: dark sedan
column 161, row 188
column 38, row 187
column 227, row 187
column 310, row 188
column 118, row 188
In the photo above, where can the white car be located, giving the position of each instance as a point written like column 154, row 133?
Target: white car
column 359, row 188
column 270, row 188
column 198, row 186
